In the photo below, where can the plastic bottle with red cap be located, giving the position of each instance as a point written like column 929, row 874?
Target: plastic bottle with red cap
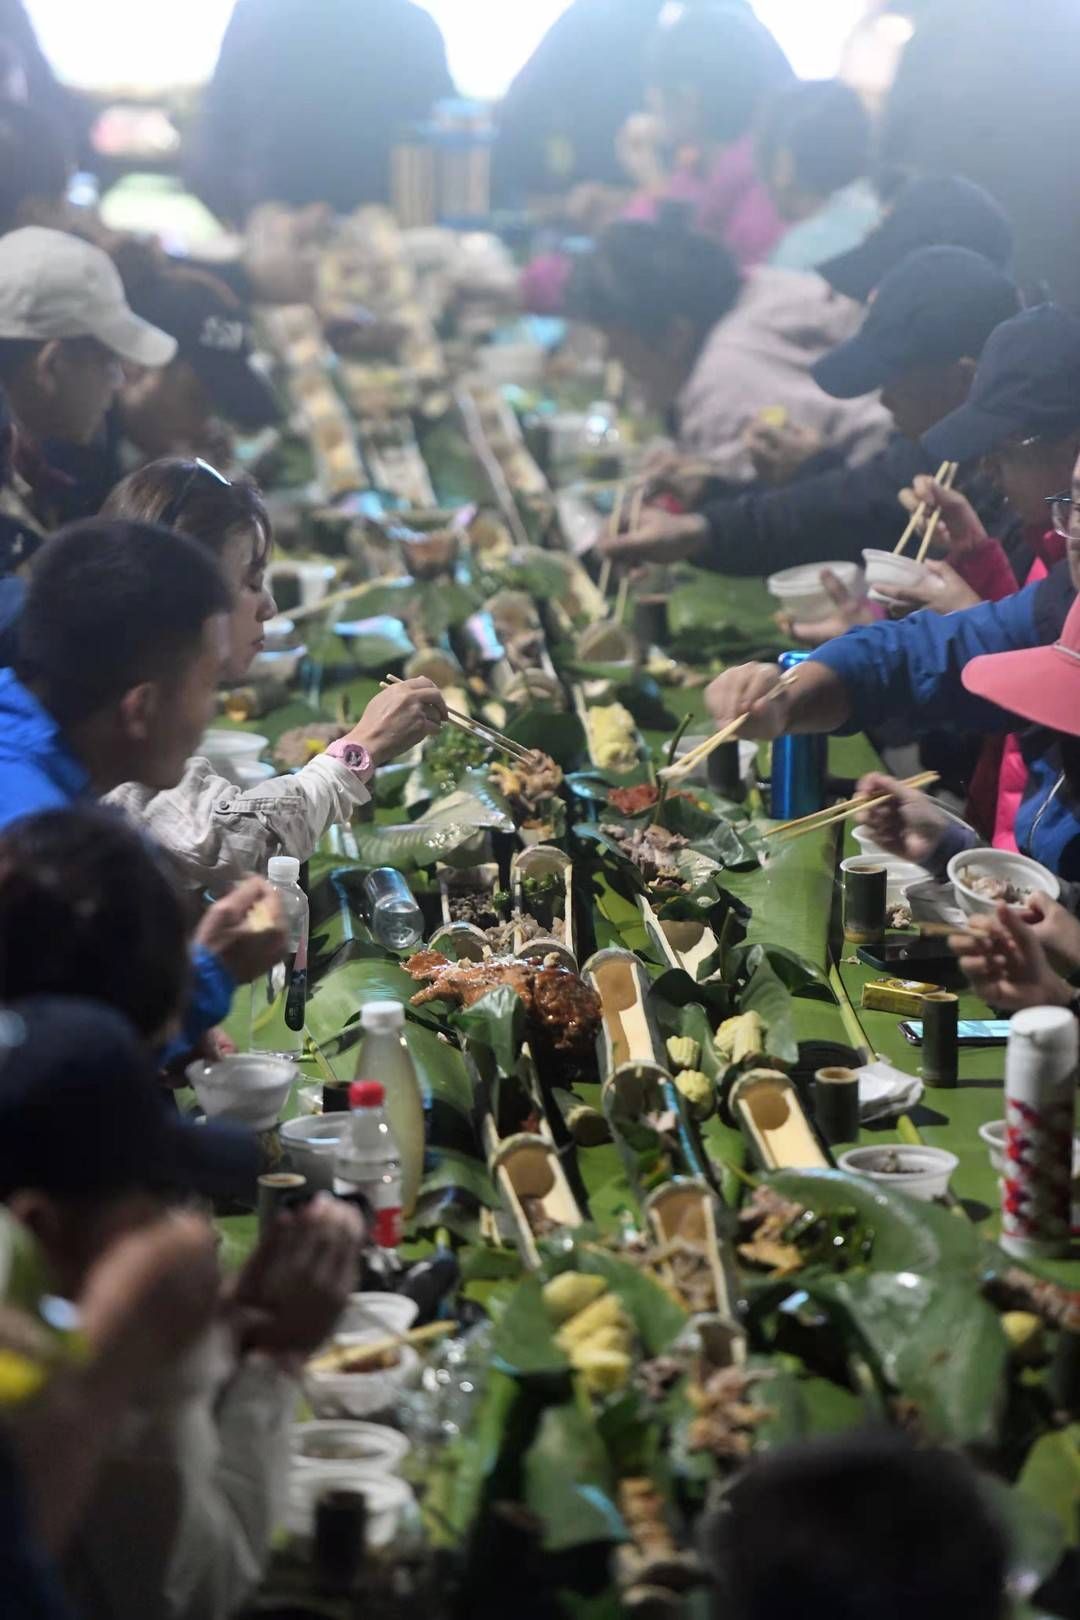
column 368, row 1161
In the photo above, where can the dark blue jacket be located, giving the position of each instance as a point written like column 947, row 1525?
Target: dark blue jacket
column 39, row 771
column 911, row 669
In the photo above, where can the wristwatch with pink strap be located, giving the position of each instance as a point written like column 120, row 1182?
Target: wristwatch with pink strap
column 354, row 757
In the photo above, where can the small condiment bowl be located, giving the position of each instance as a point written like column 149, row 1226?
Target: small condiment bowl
column 801, row 593
column 1002, row 864
column 887, row 573
column 925, row 1175
column 311, row 1142
column 248, row 1088
column 993, row 1134
column 377, row 1313
column 331, row 1442
column 361, row 1394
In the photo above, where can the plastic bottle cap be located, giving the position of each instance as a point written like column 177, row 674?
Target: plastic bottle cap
column 283, row 869
column 382, row 1016
column 367, row 1094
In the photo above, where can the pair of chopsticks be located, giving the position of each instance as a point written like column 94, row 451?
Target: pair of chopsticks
column 944, row 475
column 692, row 759
column 637, row 502
column 339, row 1355
column 843, row 811
column 475, row 728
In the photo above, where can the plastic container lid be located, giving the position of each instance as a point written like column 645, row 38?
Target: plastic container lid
column 382, row 1016
column 283, row 869
column 367, row 1094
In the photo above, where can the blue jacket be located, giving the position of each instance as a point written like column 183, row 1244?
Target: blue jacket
column 911, row 669
column 39, row 771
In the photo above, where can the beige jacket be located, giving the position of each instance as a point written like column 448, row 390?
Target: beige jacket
column 215, row 833
column 760, row 355
column 181, row 1518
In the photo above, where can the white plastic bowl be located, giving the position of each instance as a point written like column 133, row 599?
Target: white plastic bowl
column 387, row 1499
column 248, row 1088
column 230, row 751
column 377, row 1313
column 801, row 593
column 929, row 901
column 360, row 1395
column 371, row 1447
column 998, row 863
column 927, row 1174
column 993, row 1135
column 887, row 573
column 311, row 1141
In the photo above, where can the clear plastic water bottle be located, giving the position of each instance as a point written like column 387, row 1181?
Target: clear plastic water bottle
column 368, row 1161
column 384, row 1053
column 279, row 1002
column 395, row 918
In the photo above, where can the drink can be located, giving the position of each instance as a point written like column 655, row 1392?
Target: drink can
column 798, row 766
column 1040, row 1088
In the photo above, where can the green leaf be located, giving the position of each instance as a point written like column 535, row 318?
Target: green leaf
column 569, row 1483
column 557, row 734
column 523, row 1341
column 1037, row 1537
column 908, row 1235
column 1050, row 1479
column 477, row 1452
column 766, row 995
column 497, row 1021
column 456, row 1172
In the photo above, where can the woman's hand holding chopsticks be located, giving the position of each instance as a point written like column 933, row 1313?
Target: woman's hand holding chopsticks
column 907, row 823
column 1006, row 966
column 959, row 527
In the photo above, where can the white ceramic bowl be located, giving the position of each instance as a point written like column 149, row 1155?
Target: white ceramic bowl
column 387, row 1499
column 248, row 1087
column 333, row 1443
column 377, row 1313
column 998, row 863
column 801, row 593
column 886, row 572
column 360, row 1395
column 925, row 1176
column 311, row 1141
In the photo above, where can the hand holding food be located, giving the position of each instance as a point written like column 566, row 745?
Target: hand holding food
column 659, row 537
column 959, row 527
column 245, row 930
column 1007, row 966
column 1056, row 929
column 779, row 450
column 398, row 718
column 906, row 823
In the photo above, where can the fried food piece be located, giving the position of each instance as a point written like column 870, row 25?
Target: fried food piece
column 528, row 785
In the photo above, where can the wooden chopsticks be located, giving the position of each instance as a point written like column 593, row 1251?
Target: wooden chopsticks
column 840, row 812
column 693, row 758
column 920, row 511
column 931, row 528
column 339, row 1355
column 476, row 728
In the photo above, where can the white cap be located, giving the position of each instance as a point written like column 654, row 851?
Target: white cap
column 382, row 1016
column 283, row 869
column 53, row 285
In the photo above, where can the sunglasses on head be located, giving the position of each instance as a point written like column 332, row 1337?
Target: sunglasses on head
column 197, row 469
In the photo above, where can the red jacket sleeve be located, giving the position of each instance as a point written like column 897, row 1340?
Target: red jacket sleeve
column 985, row 568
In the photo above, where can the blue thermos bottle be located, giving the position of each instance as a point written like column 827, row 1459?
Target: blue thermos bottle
column 798, row 766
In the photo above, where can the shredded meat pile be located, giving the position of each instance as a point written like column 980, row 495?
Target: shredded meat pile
column 652, row 850
column 557, row 1003
column 726, row 1413
column 528, row 786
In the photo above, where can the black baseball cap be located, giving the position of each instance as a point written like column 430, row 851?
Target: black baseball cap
column 939, row 305
column 938, row 211
column 1027, row 387
column 213, row 336
column 82, row 1115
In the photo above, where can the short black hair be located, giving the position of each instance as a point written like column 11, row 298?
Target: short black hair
column 86, row 909
column 35, row 159
column 642, row 276
column 723, row 51
column 825, row 1530
column 826, row 129
column 111, row 605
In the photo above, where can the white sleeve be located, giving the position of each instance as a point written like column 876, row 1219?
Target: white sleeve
column 215, row 832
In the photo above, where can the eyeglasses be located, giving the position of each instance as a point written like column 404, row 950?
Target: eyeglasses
column 170, row 517
column 1061, row 508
